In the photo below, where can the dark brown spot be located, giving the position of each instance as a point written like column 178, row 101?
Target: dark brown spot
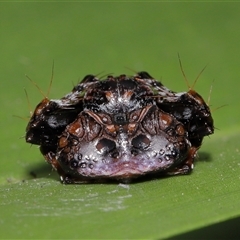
column 90, row 166
column 141, row 142
column 73, row 163
column 165, row 120
column 180, row 130
column 74, row 142
column 115, row 154
column 76, row 128
column 161, row 151
column 83, row 165
column 105, row 146
column 134, row 152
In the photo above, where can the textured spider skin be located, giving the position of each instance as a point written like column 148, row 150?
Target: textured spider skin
column 120, row 128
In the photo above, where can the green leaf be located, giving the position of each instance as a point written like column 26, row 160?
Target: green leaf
column 85, row 38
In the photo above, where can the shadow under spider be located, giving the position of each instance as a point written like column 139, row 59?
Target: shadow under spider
column 41, row 170
column 203, row 157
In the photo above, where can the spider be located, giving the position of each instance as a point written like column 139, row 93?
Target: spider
column 121, row 127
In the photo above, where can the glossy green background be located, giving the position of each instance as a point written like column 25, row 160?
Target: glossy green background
column 84, row 38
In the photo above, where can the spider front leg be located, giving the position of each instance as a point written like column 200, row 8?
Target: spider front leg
column 51, row 159
column 187, row 165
